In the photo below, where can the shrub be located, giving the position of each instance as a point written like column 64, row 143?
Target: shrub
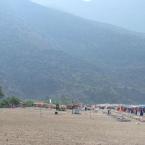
column 28, row 103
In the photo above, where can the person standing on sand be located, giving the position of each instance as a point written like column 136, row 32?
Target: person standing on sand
column 141, row 112
column 135, row 111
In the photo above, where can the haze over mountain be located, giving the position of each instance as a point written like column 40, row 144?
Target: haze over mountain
column 48, row 53
column 125, row 13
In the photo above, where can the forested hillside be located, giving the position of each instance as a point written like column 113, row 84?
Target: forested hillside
column 48, row 53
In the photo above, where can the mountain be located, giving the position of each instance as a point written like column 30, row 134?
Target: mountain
column 48, row 53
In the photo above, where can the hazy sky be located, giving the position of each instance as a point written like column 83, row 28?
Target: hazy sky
column 129, row 14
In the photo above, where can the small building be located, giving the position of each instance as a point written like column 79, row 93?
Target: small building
column 44, row 105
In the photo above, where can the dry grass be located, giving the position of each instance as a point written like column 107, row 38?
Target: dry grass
column 30, row 127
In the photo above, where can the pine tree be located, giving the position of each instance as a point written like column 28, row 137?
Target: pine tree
column 1, row 92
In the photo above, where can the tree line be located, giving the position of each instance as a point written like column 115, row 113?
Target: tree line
column 8, row 102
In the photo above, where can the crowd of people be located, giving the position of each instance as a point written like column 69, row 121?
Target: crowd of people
column 133, row 110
